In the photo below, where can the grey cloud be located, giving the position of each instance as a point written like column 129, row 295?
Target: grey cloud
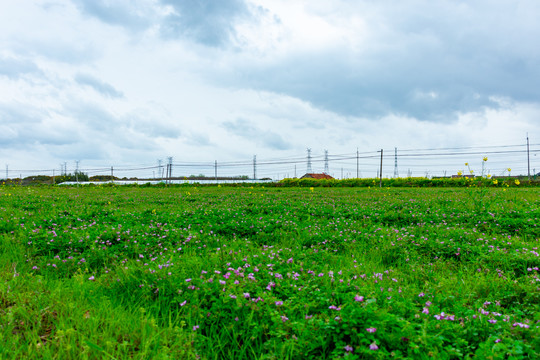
column 98, row 85
column 410, row 86
column 198, row 139
column 14, row 68
column 121, row 128
column 93, row 117
column 248, row 131
column 211, row 23
column 19, row 114
column 87, row 149
column 428, row 61
column 125, row 14
column 24, row 126
column 150, row 126
column 57, row 50
column 101, row 129
column 206, row 21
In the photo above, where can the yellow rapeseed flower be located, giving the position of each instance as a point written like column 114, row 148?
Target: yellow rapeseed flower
column 495, row 182
column 516, row 182
column 485, row 158
column 467, row 164
column 460, row 173
column 509, row 169
column 311, row 189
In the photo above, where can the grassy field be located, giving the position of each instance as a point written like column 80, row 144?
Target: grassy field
column 269, row 273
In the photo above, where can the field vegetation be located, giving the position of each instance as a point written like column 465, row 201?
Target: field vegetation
column 191, row 272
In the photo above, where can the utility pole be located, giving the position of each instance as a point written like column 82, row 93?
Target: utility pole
column 65, row 167
column 528, row 160
column 380, row 171
column 160, row 174
column 7, row 172
column 77, row 171
column 309, row 171
column 112, row 174
column 341, row 173
column 326, row 171
column 53, row 176
column 295, row 171
column 396, row 174
column 357, row 164
column 254, row 167
column 215, row 170
column 170, row 169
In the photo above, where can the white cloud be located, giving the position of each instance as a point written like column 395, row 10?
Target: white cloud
column 132, row 82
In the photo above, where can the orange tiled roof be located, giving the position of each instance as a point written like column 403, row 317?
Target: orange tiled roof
column 317, row 176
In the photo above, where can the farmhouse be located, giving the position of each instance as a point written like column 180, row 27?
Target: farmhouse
column 316, row 176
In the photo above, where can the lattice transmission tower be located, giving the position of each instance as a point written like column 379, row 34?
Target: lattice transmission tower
column 396, row 173
column 326, row 171
column 309, row 171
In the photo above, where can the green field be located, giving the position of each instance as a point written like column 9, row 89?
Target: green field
column 269, row 273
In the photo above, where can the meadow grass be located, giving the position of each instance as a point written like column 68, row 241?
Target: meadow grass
column 269, row 273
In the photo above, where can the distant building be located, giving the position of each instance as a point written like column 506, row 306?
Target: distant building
column 316, row 176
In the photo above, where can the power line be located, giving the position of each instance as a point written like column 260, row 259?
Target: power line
column 309, row 171
column 512, row 155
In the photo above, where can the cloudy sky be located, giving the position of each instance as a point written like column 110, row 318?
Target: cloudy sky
column 127, row 82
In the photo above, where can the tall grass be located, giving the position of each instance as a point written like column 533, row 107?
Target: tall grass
column 268, row 273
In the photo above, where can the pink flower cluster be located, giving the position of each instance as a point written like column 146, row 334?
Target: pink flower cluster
column 443, row 316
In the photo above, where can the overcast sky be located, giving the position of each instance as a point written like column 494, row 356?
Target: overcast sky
column 112, row 82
